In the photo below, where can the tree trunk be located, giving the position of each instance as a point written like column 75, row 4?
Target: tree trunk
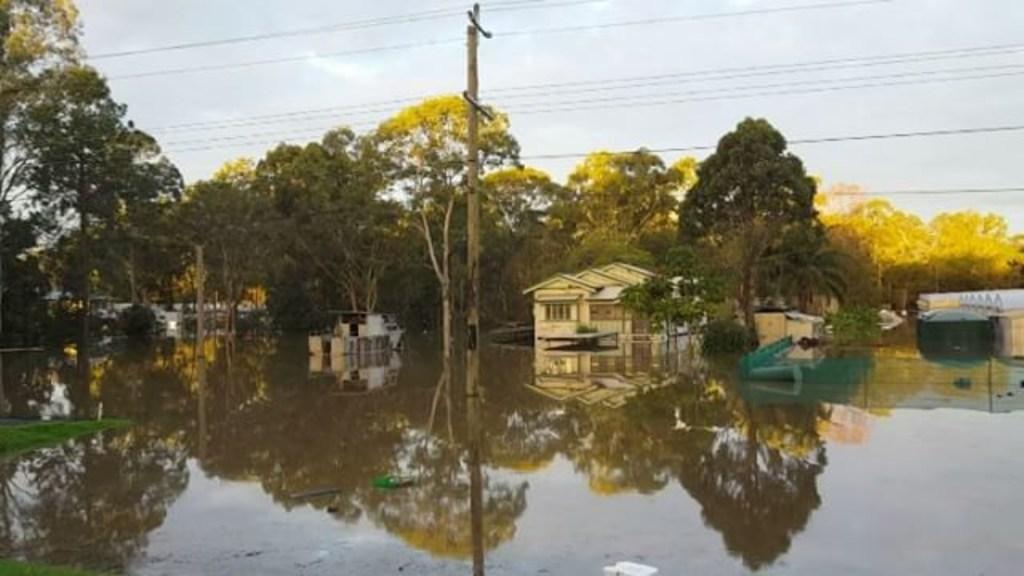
column 131, row 275
column 746, row 296
column 83, row 224
column 446, row 320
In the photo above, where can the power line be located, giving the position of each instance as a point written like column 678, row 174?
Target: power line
column 702, row 147
column 813, row 82
column 925, row 192
column 626, row 82
column 427, row 15
column 526, row 32
column 287, row 59
column 623, row 102
column 765, row 70
column 636, row 101
column 690, row 18
column 806, row 141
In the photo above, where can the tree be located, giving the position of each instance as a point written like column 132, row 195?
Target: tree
column 24, row 311
column 748, row 191
column 897, row 243
column 971, row 250
column 330, row 196
column 426, row 146
column 627, row 194
column 87, row 164
column 519, row 250
column 228, row 216
column 684, row 294
column 34, row 35
column 805, row 265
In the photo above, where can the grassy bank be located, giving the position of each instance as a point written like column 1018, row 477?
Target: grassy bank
column 23, row 437
column 10, row 568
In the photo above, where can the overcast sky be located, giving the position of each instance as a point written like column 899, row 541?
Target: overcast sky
column 316, row 80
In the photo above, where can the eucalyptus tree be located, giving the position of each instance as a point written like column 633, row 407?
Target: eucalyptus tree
column 426, row 145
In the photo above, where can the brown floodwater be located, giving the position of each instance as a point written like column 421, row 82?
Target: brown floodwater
column 260, row 460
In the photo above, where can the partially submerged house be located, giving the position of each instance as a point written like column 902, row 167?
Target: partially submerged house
column 586, row 307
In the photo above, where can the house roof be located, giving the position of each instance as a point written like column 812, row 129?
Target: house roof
column 609, row 293
column 630, row 267
column 605, row 278
column 565, row 278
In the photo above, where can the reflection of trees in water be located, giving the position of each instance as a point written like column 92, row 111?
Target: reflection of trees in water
column 89, row 502
column 757, row 482
column 297, row 436
column 753, row 470
column 434, row 514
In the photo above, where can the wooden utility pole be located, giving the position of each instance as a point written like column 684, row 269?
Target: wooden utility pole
column 474, row 110
column 200, row 299
column 473, row 207
column 473, row 32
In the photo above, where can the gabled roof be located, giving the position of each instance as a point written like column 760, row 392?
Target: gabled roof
column 605, row 279
column 564, row 278
column 627, row 273
column 630, row 267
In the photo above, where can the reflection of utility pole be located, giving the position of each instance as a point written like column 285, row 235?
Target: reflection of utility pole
column 200, row 349
column 476, row 483
column 201, row 393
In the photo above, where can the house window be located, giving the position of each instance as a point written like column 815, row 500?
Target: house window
column 558, row 312
column 605, row 312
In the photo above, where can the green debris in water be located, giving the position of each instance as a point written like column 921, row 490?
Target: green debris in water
column 17, row 438
column 391, row 482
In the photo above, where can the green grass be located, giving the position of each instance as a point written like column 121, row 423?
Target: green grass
column 11, row 568
column 19, row 438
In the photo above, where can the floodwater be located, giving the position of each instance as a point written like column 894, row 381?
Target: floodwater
column 877, row 462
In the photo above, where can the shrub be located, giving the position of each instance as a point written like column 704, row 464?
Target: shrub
column 855, row 325
column 137, row 322
column 725, row 337
column 584, row 329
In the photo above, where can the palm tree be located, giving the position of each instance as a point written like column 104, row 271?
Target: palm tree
column 805, row 265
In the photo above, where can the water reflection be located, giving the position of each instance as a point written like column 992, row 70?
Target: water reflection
column 640, row 421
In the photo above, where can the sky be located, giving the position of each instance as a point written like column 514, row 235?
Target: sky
column 682, row 93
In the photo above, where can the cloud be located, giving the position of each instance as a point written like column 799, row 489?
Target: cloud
column 350, row 71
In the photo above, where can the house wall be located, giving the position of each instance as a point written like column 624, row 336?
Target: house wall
column 574, row 297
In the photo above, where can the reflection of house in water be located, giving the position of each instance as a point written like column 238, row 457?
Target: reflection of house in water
column 361, row 373
column 608, row 377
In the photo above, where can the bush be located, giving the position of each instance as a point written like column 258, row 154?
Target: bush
column 725, row 337
column 137, row 322
column 584, row 329
column 856, row 325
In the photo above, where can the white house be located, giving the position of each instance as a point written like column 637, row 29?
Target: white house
column 587, row 306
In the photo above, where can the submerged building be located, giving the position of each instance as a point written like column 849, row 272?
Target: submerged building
column 946, row 315
column 587, row 307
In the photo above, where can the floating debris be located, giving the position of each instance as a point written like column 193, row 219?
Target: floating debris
column 315, row 493
column 390, row 482
column 630, row 569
